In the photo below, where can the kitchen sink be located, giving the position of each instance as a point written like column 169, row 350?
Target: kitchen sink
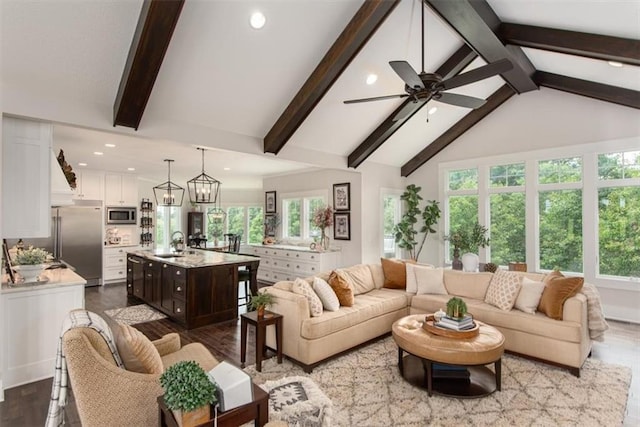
column 169, row 256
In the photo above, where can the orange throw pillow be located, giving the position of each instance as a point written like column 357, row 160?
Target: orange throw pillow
column 395, row 273
column 558, row 289
column 341, row 287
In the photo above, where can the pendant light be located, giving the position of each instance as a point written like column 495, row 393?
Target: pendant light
column 168, row 193
column 203, row 189
column 217, row 214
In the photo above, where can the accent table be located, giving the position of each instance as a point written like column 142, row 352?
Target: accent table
column 261, row 334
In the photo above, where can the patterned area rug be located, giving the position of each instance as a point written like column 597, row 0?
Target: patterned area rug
column 366, row 389
column 134, row 314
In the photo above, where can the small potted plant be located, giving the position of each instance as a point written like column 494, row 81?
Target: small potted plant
column 188, row 392
column 30, row 262
column 260, row 302
column 456, row 308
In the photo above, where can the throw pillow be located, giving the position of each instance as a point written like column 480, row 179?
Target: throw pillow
column 301, row 287
column 342, row 289
column 529, row 296
column 395, row 273
column 430, row 281
column 325, row 293
column 503, row 290
column 137, row 352
column 412, row 285
column 359, row 278
column 558, row 290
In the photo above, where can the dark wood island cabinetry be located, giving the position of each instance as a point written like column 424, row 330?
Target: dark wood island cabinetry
column 195, row 288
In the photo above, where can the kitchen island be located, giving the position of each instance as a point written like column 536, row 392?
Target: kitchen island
column 194, row 287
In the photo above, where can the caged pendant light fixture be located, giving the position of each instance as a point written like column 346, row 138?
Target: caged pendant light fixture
column 203, row 189
column 168, row 193
column 216, row 213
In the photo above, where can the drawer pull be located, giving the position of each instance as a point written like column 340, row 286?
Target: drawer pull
column 121, row 272
column 297, row 255
column 130, row 270
column 120, row 251
column 287, row 254
column 288, row 266
column 313, row 257
column 178, row 310
column 150, row 264
column 164, row 266
column 179, row 289
column 128, row 285
column 178, row 273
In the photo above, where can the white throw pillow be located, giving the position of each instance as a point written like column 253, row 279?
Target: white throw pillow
column 301, row 287
column 325, row 293
column 529, row 296
column 430, row 280
column 503, row 289
column 412, row 284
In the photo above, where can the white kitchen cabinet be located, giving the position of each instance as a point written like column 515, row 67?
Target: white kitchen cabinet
column 26, row 177
column 89, row 185
column 114, row 265
column 288, row 262
column 121, row 190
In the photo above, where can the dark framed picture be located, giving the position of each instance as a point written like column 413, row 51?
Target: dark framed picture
column 342, row 226
column 270, row 202
column 270, row 225
column 342, row 196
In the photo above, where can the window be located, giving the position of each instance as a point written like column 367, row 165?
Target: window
column 244, row 220
column 168, row 220
column 297, row 212
column 619, row 214
column 462, row 201
column 391, row 215
column 507, row 213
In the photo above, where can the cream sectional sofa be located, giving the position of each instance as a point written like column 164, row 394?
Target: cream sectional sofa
column 311, row 340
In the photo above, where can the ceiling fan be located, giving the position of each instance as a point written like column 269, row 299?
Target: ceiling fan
column 424, row 86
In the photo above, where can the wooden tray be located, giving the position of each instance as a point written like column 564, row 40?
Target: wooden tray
column 449, row 333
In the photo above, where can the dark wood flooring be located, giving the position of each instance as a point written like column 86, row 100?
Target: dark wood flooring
column 26, row 406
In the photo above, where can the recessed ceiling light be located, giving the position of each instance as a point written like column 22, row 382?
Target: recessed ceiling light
column 227, row 169
column 615, row 64
column 432, row 110
column 110, row 145
column 131, row 169
column 257, row 20
column 82, row 164
column 98, row 153
column 372, row 78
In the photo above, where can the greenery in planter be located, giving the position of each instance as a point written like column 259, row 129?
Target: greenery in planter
column 456, row 307
column 405, row 232
column 31, row 256
column 263, row 299
column 187, row 387
column 469, row 240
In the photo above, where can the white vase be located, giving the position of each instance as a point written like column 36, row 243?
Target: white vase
column 470, row 262
column 29, row 273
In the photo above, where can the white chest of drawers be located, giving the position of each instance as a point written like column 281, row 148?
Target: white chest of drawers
column 288, row 262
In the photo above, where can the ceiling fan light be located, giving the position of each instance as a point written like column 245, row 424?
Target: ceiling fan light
column 168, row 193
column 257, row 20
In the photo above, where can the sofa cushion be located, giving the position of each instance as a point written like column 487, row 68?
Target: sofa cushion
column 341, row 287
column 395, row 273
column 467, row 285
column 556, row 292
column 529, row 296
column 325, row 293
column 430, row 280
column 301, row 287
column 137, row 352
column 359, row 278
column 377, row 274
column 503, row 289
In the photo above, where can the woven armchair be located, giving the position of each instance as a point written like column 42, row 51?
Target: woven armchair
column 110, row 396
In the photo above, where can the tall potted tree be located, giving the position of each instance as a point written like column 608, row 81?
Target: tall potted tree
column 405, row 231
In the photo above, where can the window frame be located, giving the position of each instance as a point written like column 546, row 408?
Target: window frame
column 384, row 193
column 168, row 232
column 304, row 198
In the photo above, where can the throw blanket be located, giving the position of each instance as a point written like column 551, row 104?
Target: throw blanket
column 597, row 323
column 75, row 319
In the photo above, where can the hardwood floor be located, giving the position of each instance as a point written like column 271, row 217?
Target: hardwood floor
column 26, row 406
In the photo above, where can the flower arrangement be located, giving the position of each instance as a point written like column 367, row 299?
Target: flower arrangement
column 323, row 217
column 469, row 240
column 31, row 256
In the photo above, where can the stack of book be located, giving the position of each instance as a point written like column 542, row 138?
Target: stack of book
column 462, row 324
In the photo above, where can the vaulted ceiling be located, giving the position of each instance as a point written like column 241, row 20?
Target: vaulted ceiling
column 194, row 73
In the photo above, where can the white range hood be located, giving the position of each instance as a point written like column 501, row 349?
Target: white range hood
column 61, row 193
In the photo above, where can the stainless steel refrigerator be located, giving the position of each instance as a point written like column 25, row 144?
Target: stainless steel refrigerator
column 76, row 239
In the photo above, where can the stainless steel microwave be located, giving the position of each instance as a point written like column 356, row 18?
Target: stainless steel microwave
column 121, row 215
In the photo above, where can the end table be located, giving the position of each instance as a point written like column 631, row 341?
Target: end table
column 261, row 333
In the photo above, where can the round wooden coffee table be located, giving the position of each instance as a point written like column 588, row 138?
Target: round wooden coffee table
column 449, row 366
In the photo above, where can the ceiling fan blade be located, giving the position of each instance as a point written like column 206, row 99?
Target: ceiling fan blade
column 477, row 74
column 376, row 98
column 407, row 74
column 408, row 109
column 460, row 100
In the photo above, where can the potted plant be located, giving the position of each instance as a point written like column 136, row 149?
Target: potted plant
column 323, row 219
column 188, row 392
column 468, row 241
column 260, row 302
column 405, row 232
column 456, row 308
column 30, row 262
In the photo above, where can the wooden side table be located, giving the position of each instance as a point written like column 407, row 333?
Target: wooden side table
column 261, row 334
column 257, row 410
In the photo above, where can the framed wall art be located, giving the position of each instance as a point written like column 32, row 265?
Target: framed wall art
column 342, row 226
column 342, row 196
column 270, row 202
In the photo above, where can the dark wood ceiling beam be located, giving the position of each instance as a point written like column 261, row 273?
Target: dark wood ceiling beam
column 353, row 38
column 476, row 22
column 571, row 42
column 452, row 66
column 602, row 92
column 157, row 21
column 463, row 125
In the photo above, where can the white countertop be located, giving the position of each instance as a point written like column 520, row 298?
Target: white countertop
column 293, row 248
column 193, row 258
column 55, row 278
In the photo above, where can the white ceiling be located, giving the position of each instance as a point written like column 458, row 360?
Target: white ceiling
column 223, row 84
